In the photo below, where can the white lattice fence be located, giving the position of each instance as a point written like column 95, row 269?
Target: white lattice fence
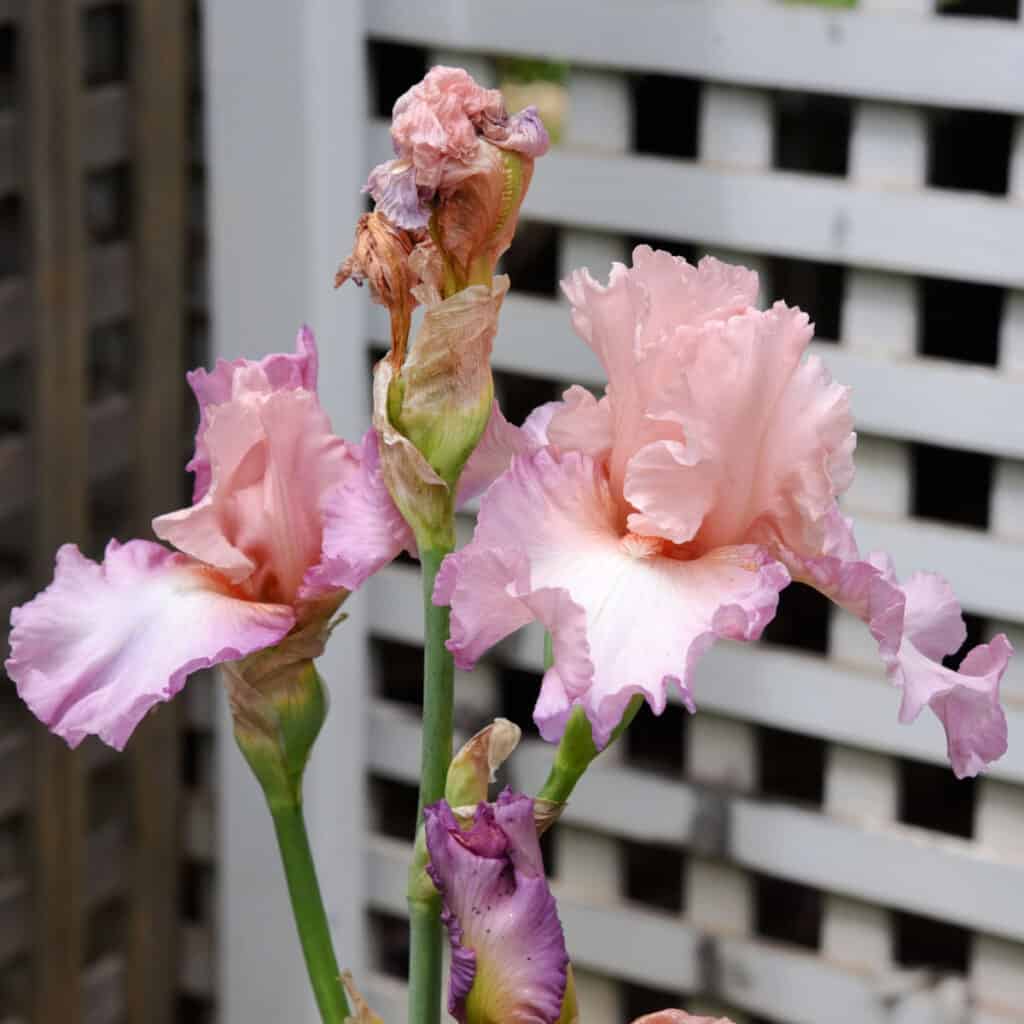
column 791, row 853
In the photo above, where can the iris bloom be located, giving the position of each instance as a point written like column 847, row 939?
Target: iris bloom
column 672, row 511
column 509, row 961
column 286, row 519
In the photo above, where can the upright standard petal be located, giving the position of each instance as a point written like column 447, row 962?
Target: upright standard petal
column 626, row 617
column 277, row 372
column 509, row 961
column 273, row 457
column 103, row 643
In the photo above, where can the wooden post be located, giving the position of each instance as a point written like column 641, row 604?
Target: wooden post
column 56, row 228
column 159, row 82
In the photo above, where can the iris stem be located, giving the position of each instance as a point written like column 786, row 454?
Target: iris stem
column 308, row 909
column 438, row 697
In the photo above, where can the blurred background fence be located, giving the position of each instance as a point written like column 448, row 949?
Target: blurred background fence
column 102, row 856
column 790, row 854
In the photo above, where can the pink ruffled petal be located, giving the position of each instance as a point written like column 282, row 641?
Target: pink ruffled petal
column 678, row 1017
column 625, row 616
column 915, row 625
column 581, row 423
column 363, row 531
column 103, row 643
column 273, row 457
column 500, row 443
column 276, row 372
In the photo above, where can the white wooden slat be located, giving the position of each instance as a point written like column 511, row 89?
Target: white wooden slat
column 971, row 63
column 909, row 399
column 942, row 234
column 757, row 682
column 893, row 865
column 657, row 950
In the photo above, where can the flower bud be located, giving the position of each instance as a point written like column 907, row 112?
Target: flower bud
column 473, row 768
column 508, row 955
column 381, row 257
column 279, row 704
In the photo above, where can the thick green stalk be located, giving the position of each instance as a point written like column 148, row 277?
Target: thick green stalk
column 426, row 940
column 308, row 908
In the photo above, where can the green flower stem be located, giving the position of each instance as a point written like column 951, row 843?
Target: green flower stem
column 308, row 908
column 438, row 698
column 576, row 751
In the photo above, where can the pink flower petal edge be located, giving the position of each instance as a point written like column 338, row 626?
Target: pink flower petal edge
column 916, row 624
column 103, row 643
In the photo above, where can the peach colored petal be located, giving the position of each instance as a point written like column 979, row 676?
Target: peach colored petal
column 272, row 458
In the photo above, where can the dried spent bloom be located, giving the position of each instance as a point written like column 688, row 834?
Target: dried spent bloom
column 672, row 511
column 381, row 257
column 509, row 961
column 462, row 168
column 286, row 520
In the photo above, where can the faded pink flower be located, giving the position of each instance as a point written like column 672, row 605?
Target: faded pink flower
column 672, row 511
column 440, row 129
column 286, row 519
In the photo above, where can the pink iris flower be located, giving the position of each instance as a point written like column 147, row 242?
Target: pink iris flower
column 286, row 519
column 672, row 511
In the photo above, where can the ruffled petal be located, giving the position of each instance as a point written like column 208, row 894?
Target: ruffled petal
column 776, row 453
column 363, row 531
column 276, row 372
column 581, row 423
column 395, row 194
column 625, row 616
column 678, row 1017
column 966, row 701
column 915, row 625
column 104, row 643
column 509, row 960
column 523, row 132
column 501, row 442
column 273, row 457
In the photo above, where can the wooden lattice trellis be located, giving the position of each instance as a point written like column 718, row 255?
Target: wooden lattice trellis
column 95, row 332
